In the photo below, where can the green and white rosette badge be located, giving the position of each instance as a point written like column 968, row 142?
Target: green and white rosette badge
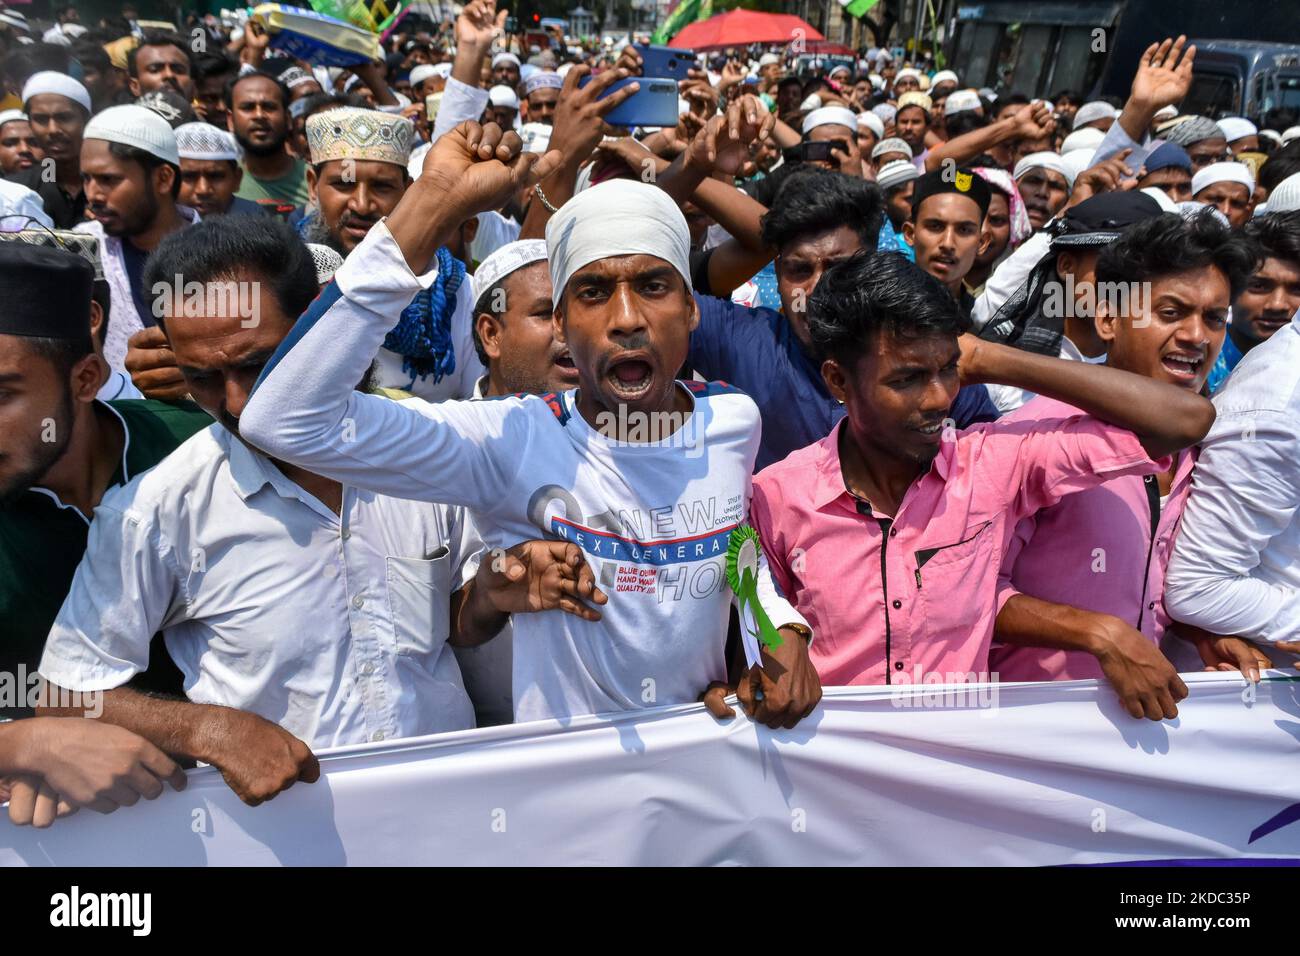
column 743, row 551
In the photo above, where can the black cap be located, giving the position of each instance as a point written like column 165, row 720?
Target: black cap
column 963, row 182
column 1099, row 221
column 44, row 292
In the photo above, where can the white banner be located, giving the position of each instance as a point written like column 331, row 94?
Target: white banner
column 980, row 775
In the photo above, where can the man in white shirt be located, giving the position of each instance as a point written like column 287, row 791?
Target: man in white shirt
column 1236, row 565
column 654, row 517
column 301, row 611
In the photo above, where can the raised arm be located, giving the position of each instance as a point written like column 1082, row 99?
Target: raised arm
column 1164, row 417
column 1031, row 122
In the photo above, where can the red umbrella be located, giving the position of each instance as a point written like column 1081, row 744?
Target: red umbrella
column 742, row 27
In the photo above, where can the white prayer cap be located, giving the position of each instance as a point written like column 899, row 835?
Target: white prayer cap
column 838, row 67
column 1191, row 209
column 1223, row 173
column 1237, row 127
column 1043, row 160
column 503, row 96
column 891, row 145
column 906, row 72
column 50, row 81
column 1290, row 134
column 8, row 116
column 621, row 217
column 768, row 59
column 510, row 258
column 886, row 112
column 1162, row 198
column 961, row 101
column 563, row 69
column 14, row 19
column 1272, row 134
column 811, row 102
column 528, row 69
column 943, row 76
column 204, row 141
column 877, row 81
column 896, row 173
column 1087, row 138
column 543, row 81
column 1285, row 196
column 135, row 126
column 326, row 260
column 828, row 116
column 422, row 73
column 1076, row 161
column 536, row 137
column 20, row 202
column 504, row 58
column 1091, row 112
column 872, row 122
column 1165, row 113
column 443, row 70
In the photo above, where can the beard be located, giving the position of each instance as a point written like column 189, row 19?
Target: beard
column 260, row 150
column 43, row 455
column 316, row 231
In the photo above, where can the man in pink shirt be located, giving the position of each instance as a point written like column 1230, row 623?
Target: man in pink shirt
column 888, row 534
column 1082, row 581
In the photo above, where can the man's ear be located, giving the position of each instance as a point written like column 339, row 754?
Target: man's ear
column 836, row 381
column 557, row 324
column 88, row 376
column 695, row 311
column 1066, row 263
column 488, row 327
column 986, row 240
column 909, row 232
column 164, row 177
column 1106, row 321
column 96, row 320
column 133, row 85
column 312, row 181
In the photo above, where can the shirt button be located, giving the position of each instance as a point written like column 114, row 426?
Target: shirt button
column 368, row 669
column 358, row 601
column 377, row 735
column 1151, row 606
column 898, row 665
column 346, row 534
column 897, row 604
column 893, row 532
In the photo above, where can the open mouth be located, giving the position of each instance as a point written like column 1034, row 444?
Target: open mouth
column 1183, row 367
column 1272, row 325
column 932, row 432
column 630, row 378
column 564, row 362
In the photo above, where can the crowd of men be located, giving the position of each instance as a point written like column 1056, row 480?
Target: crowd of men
column 342, row 405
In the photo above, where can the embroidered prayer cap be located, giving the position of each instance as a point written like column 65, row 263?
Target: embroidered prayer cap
column 353, row 133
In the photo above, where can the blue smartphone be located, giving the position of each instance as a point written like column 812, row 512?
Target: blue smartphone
column 654, row 104
column 665, row 61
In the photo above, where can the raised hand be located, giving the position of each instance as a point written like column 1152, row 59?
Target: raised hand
column 475, row 168
column 723, row 144
column 1034, row 121
column 1162, row 79
column 479, row 24
column 580, row 113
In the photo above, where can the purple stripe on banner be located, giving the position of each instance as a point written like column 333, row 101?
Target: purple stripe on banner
column 1290, row 815
column 1211, row 861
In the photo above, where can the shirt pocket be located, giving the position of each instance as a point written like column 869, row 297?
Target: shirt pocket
column 419, row 601
column 931, row 561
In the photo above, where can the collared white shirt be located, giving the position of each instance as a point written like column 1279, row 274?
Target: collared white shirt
column 1236, row 564
column 334, row 627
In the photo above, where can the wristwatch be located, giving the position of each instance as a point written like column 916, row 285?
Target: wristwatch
column 801, row 629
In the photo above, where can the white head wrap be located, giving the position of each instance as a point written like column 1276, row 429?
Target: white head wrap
column 19, row 201
column 8, row 116
column 1237, row 127
column 511, row 257
column 1290, row 134
column 768, row 59
column 1223, row 173
column 886, row 112
column 621, row 217
column 811, row 102
column 422, row 72
column 943, row 76
column 1043, row 160
column 961, row 101
column 503, row 96
column 135, row 126
column 906, row 72
column 326, row 260
column 830, row 115
column 543, row 81
column 1087, row 138
column 891, row 145
column 50, row 81
column 1075, row 162
column 872, row 122
column 896, row 173
column 1091, row 112
column 204, row 141
column 1285, row 196
column 1162, row 198
column 504, row 58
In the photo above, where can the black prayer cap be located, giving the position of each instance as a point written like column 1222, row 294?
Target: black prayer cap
column 44, row 292
column 963, row 182
column 1099, row 220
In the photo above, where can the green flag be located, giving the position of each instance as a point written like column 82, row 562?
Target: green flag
column 688, row 11
column 856, row 8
